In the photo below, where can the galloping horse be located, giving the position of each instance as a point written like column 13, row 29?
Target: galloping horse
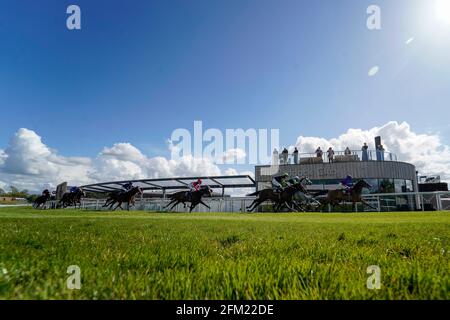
column 195, row 198
column 41, row 200
column 302, row 199
column 72, row 198
column 122, row 196
column 283, row 198
column 335, row 197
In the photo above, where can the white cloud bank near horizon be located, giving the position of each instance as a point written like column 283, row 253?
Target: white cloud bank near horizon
column 28, row 163
column 426, row 151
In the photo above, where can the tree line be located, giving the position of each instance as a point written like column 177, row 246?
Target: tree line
column 17, row 193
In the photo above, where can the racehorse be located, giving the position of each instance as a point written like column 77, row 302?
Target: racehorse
column 72, row 198
column 195, row 198
column 122, row 196
column 41, row 200
column 302, row 199
column 335, row 197
column 283, row 198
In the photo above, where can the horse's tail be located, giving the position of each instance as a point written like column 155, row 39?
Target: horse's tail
column 253, row 194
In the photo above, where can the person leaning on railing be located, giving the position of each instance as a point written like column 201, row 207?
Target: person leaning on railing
column 330, row 153
column 380, row 152
column 285, row 155
column 347, row 152
column 319, row 152
column 365, row 155
column 295, row 153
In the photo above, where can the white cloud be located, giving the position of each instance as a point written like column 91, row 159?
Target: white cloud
column 27, row 162
column 426, row 151
column 234, row 155
column 30, row 164
column 373, row 71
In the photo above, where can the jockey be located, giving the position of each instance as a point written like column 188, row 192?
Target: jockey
column 195, row 185
column 347, row 183
column 127, row 186
column 73, row 189
column 45, row 192
column 279, row 182
column 293, row 180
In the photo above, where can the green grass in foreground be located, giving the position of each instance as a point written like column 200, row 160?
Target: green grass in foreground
column 139, row 255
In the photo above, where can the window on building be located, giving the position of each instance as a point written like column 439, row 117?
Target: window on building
column 400, row 185
column 374, row 184
column 387, row 186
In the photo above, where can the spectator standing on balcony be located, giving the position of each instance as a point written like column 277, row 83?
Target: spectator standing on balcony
column 347, row 152
column 380, row 152
column 275, row 156
column 365, row 156
column 285, row 155
column 330, row 154
column 295, row 155
column 319, row 152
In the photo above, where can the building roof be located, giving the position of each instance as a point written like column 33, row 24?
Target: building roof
column 238, row 181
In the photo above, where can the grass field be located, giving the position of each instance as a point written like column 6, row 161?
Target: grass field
column 141, row 255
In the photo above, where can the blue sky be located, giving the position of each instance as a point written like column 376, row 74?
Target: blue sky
column 138, row 70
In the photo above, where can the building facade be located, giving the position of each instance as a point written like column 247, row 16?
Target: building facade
column 385, row 176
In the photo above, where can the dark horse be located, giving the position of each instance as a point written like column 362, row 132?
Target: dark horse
column 121, row 197
column 195, row 198
column 283, row 198
column 335, row 197
column 41, row 200
column 72, row 198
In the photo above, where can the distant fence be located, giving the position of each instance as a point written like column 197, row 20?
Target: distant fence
column 408, row 201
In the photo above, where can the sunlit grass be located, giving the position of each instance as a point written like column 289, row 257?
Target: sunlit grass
column 140, row 255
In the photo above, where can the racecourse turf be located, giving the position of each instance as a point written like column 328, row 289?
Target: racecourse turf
column 143, row 255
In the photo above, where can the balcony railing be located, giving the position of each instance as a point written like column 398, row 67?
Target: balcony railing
column 339, row 156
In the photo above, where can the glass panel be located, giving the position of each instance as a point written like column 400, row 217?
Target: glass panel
column 374, row 184
column 167, row 183
column 232, row 181
column 387, row 186
column 399, row 185
column 409, row 186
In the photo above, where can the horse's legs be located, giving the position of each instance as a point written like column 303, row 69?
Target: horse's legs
column 290, row 207
column 254, row 204
column 205, row 204
column 254, row 201
column 175, row 204
column 119, row 205
column 112, row 204
column 171, row 202
column 364, row 202
column 107, row 202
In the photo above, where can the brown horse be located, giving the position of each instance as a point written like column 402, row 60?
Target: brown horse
column 121, row 197
column 41, row 200
column 335, row 197
column 280, row 199
column 72, row 198
column 194, row 198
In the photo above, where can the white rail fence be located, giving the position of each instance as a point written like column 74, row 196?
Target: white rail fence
column 408, row 201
